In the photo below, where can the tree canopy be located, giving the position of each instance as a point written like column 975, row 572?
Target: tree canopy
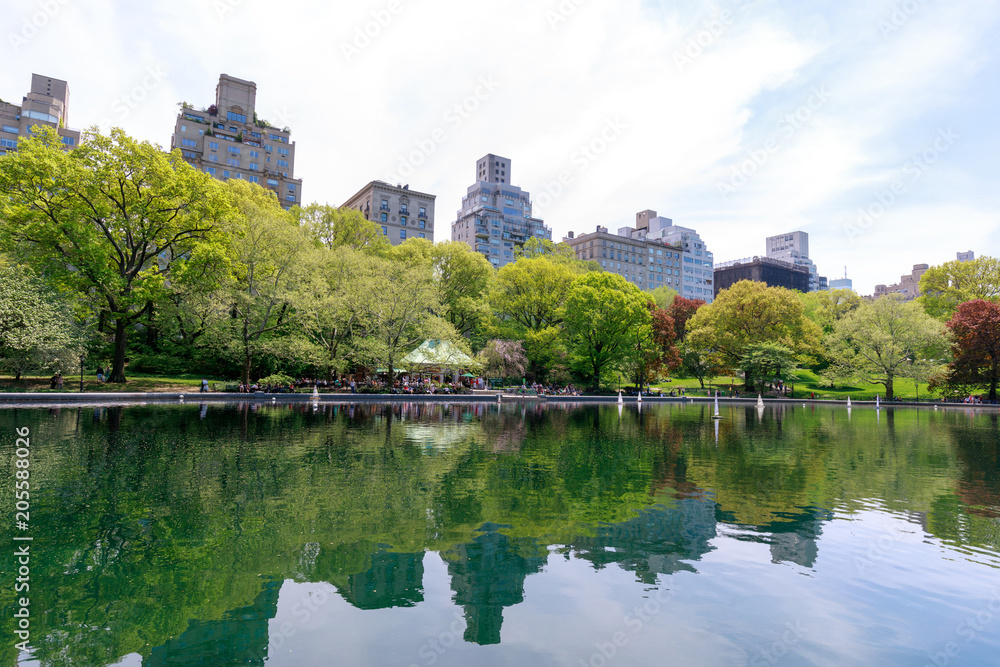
column 943, row 288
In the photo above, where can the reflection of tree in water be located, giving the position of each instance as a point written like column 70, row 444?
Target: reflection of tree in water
column 978, row 453
column 655, row 542
column 487, row 575
column 393, row 580
column 239, row 638
column 792, row 537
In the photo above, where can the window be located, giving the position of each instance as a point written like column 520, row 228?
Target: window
column 385, row 232
column 69, row 141
column 423, row 224
column 225, row 173
column 268, row 148
column 254, row 154
column 10, row 128
column 423, row 212
column 213, row 158
column 236, row 176
column 273, row 183
column 191, row 155
column 282, row 163
column 385, row 217
column 189, row 143
column 238, row 117
column 385, row 205
column 210, row 170
column 402, row 234
column 423, row 236
column 253, row 166
column 235, row 150
column 233, row 161
column 291, row 187
column 255, row 135
column 282, row 151
column 402, row 220
column 214, row 145
column 184, row 128
column 289, row 197
column 253, row 179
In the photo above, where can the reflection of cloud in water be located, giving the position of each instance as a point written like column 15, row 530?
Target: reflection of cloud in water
column 438, row 437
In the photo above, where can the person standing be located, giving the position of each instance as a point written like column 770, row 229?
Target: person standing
column 204, row 386
column 100, row 373
column 59, row 381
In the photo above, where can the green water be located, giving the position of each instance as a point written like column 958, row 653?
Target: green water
column 515, row 535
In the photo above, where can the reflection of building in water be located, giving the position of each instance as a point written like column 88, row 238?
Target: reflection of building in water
column 487, row 575
column 393, row 580
column 240, row 638
column 655, row 542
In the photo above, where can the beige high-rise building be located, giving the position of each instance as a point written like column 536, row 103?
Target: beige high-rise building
column 228, row 140
column 47, row 103
column 908, row 286
column 401, row 212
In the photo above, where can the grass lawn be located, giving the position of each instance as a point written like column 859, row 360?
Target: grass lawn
column 806, row 383
column 136, row 382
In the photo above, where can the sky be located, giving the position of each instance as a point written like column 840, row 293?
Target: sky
column 870, row 124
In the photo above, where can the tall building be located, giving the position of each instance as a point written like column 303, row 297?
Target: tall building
column 228, row 140
column 773, row 272
column 966, row 256
column 652, row 254
column 794, row 249
column 403, row 213
column 908, row 286
column 495, row 217
column 47, row 103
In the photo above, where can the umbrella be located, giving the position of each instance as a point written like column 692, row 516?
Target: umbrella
column 468, row 375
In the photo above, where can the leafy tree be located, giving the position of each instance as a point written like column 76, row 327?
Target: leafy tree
column 341, row 227
column 526, row 300
column 768, row 363
column 604, row 315
column 943, row 288
column 110, row 220
column 663, row 296
column 465, row 277
column 697, row 363
column 975, row 335
column 503, row 359
column 827, row 307
column 36, row 330
column 655, row 349
column 882, row 340
column 747, row 314
column 256, row 305
column 681, row 310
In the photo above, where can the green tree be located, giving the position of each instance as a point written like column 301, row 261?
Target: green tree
column 341, row 227
column 882, row 340
column 767, row 363
column 36, row 330
column 751, row 313
column 465, row 277
column 975, row 335
column 943, row 288
column 604, row 315
column 526, row 300
column 111, row 220
column 663, row 296
column 827, row 307
column 266, row 252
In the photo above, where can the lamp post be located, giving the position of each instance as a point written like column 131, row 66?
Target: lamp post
column 81, row 373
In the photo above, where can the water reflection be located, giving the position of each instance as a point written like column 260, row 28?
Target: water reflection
column 166, row 519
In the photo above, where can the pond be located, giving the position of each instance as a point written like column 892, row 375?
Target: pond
column 523, row 534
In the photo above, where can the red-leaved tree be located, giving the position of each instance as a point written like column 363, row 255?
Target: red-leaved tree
column 682, row 310
column 975, row 330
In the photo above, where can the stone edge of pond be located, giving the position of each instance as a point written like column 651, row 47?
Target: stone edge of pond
column 15, row 399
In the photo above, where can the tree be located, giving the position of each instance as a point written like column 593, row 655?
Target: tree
column 604, row 313
column 526, row 300
column 663, row 296
column 465, row 277
column 751, row 313
column 654, row 346
column 767, row 363
column 943, row 288
column 882, row 340
column 503, row 359
column 265, row 254
column 110, row 220
column 827, row 307
column 975, row 335
column 36, row 330
column 341, row 227
column 681, row 310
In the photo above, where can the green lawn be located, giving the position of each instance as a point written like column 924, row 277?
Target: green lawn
column 136, row 382
column 806, row 383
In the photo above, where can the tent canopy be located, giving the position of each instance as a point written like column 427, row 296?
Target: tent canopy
column 437, row 354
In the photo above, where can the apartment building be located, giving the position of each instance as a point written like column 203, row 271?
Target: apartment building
column 47, row 103
column 772, row 272
column 793, row 248
column 402, row 213
column 908, row 286
column 229, row 140
column 652, row 254
column 495, row 218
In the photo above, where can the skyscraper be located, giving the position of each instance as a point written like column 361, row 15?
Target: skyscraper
column 47, row 103
column 794, row 249
column 228, row 140
column 495, row 217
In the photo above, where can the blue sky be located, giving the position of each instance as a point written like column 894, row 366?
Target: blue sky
column 869, row 124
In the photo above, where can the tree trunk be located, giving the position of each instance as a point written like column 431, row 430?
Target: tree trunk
column 888, row 388
column 245, row 373
column 118, row 363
